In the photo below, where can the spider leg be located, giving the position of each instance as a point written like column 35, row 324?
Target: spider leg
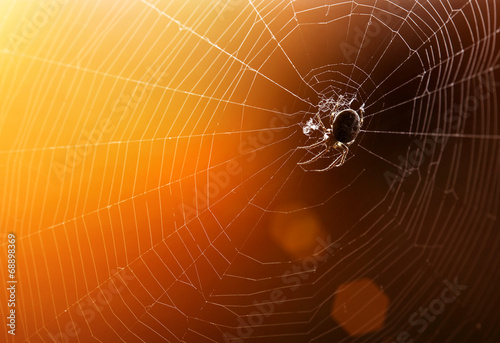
column 361, row 115
column 313, row 145
column 334, row 110
column 331, row 166
column 318, row 118
column 315, row 158
column 336, row 162
column 345, row 150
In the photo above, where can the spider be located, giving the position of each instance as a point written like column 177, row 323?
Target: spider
column 344, row 128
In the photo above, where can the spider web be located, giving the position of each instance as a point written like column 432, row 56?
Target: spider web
column 149, row 167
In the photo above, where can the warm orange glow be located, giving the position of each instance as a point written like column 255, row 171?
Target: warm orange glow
column 296, row 232
column 360, row 307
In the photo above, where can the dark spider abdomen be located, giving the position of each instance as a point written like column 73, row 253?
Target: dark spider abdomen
column 346, row 126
